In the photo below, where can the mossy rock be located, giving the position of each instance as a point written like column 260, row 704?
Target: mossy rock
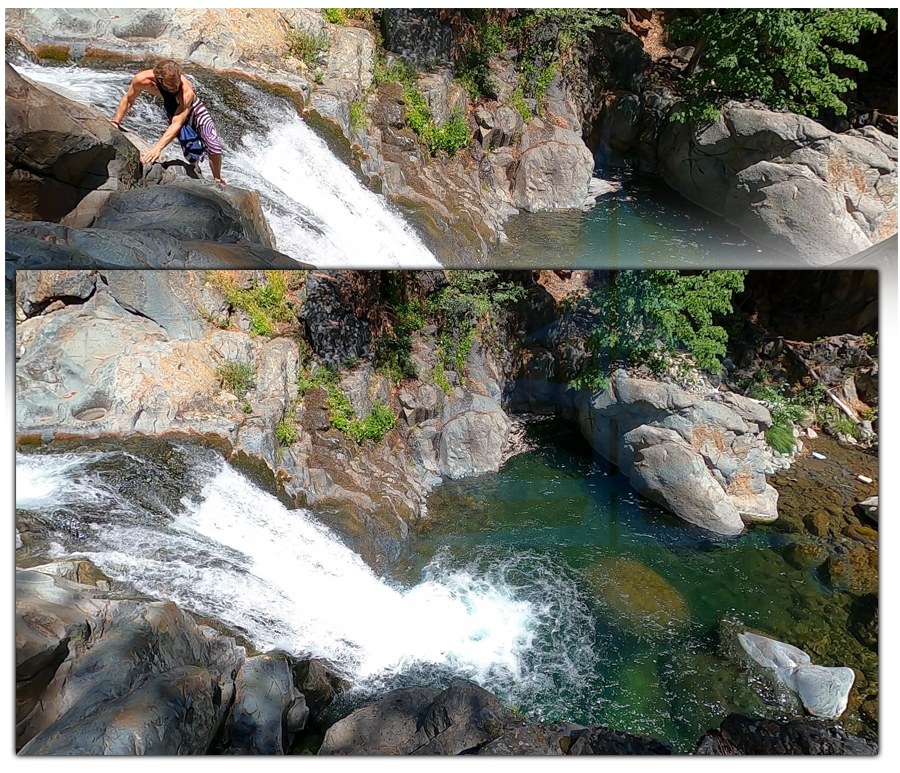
column 861, row 533
column 636, row 598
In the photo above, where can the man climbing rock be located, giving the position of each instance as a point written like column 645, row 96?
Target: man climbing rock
column 190, row 120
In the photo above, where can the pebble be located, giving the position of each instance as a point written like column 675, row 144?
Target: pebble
column 817, row 455
column 863, row 479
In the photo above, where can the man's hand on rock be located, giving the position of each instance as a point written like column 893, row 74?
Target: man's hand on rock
column 149, row 156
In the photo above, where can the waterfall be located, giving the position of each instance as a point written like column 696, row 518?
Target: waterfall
column 221, row 547
column 316, row 207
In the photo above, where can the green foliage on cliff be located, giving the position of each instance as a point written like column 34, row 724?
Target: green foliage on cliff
column 237, row 377
column 265, row 303
column 307, row 46
column 643, row 315
column 542, row 37
column 374, row 427
column 458, row 309
column 449, row 137
column 782, row 56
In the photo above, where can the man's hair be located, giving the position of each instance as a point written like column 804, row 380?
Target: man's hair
column 168, row 73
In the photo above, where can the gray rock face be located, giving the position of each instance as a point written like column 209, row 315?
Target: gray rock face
column 98, row 676
column 328, row 312
column 265, row 697
column 319, row 683
column 58, row 153
column 419, row 721
column 189, row 210
column 701, row 457
column 139, row 356
column 554, row 169
column 218, row 38
column 416, row 34
column 787, row 181
column 35, row 290
column 473, row 437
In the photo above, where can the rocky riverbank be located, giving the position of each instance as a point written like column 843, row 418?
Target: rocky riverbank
column 183, row 688
column 788, row 182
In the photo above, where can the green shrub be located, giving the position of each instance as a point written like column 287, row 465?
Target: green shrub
column 358, row 113
column 266, row 304
column 459, row 308
column 335, row 15
column 782, row 56
column 286, row 431
column 453, row 136
column 780, row 437
column 236, row 377
column 517, row 101
column 375, row 426
column 307, row 46
column 642, row 315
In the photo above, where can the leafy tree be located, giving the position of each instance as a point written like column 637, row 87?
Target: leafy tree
column 782, row 56
column 643, row 314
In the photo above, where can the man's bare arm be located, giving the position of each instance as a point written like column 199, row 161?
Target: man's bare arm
column 134, row 89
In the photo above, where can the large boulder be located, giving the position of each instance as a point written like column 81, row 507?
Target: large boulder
column 40, row 245
column 59, row 152
column 786, row 180
column 419, row 721
column 554, row 170
column 824, row 691
column 473, row 437
column 703, row 457
column 99, row 676
column 188, row 210
column 267, row 708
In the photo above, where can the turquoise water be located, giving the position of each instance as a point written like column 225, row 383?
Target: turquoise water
column 645, row 225
column 552, row 513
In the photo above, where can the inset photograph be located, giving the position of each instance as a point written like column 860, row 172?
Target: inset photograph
column 446, row 512
column 451, row 138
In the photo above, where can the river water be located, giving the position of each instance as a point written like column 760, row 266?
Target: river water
column 496, row 588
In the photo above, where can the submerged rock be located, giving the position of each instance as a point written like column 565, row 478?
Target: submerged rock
column 637, row 598
column 823, row 691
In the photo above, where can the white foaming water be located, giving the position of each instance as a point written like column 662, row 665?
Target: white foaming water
column 238, row 555
column 44, row 482
column 317, row 209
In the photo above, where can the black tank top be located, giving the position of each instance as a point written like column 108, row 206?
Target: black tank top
column 170, row 100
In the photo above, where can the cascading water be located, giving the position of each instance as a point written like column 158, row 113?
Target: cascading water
column 208, row 539
column 316, row 207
